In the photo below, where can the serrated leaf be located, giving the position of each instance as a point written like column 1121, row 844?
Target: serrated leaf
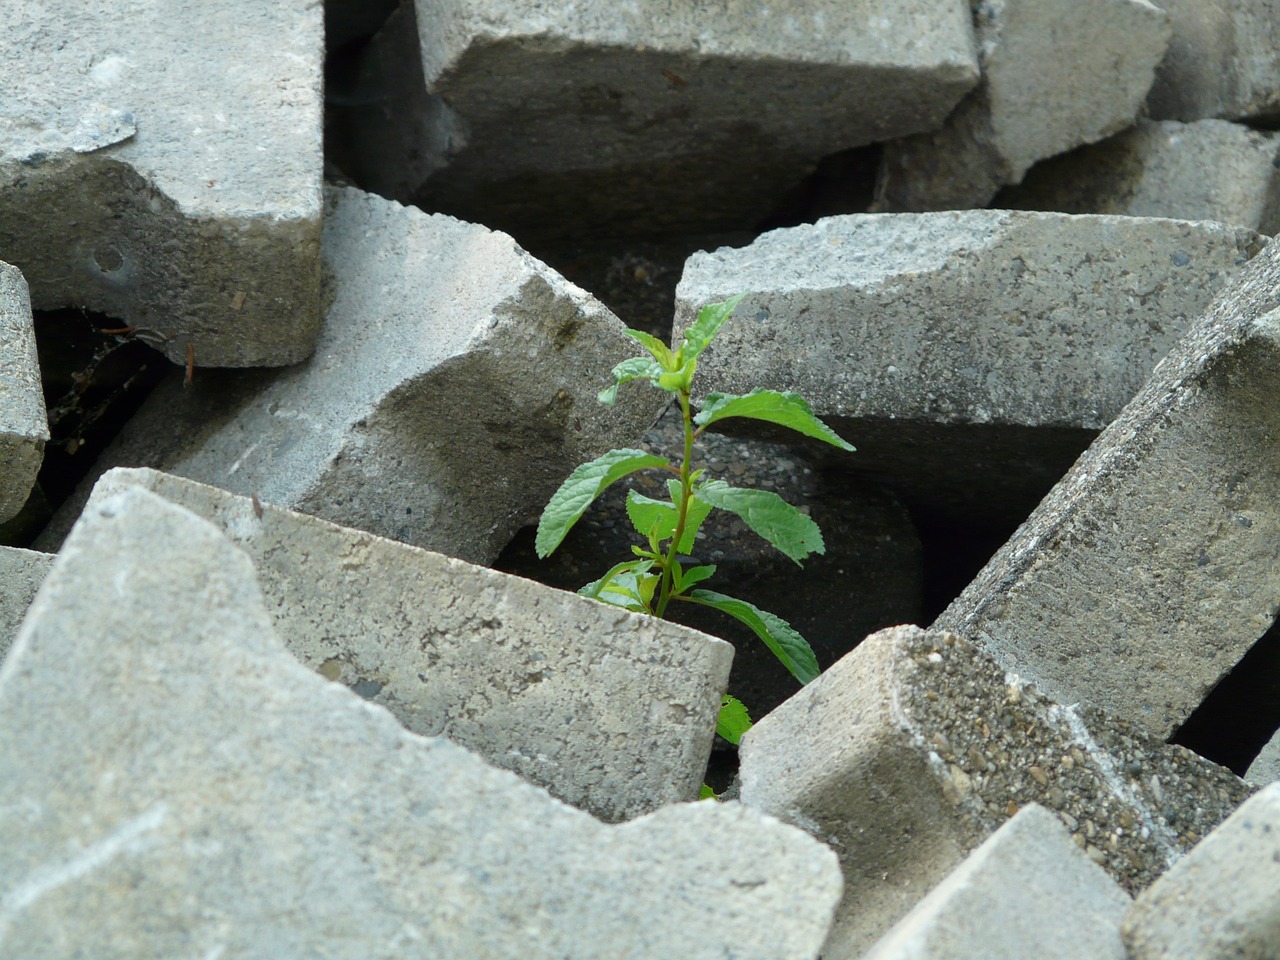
column 570, row 502
column 594, row 588
column 703, row 330
column 733, row 720
column 695, row 575
column 791, row 531
column 658, row 517
column 779, row 636
column 659, row 350
column 694, row 514
column 785, row 409
column 633, row 368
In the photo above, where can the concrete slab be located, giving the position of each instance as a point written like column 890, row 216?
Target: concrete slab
column 1154, row 565
column 1222, row 899
column 1206, row 170
column 21, row 573
column 908, row 753
column 644, row 118
column 162, row 165
column 24, row 427
column 970, row 356
column 609, row 711
column 176, row 784
column 1265, row 768
column 454, row 388
column 1028, row 891
column 1049, row 83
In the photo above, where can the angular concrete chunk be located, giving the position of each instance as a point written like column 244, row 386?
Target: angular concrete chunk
column 1049, row 83
column 1154, row 565
column 453, row 390
column 1265, row 768
column 1028, row 891
column 162, row 164
column 1223, row 899
column 1207, row 170
column 909, row 752
column 611, row 712
column 24, row 427
column 175, row 784
column 933, row 342
column 21, row 573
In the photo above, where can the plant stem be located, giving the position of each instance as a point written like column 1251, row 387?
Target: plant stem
column 682, row 509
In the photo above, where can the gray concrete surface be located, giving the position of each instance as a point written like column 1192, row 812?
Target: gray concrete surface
column 1206, row 170
column 1049, row 83
column 176, row 784
column 21, row 573
column 1028, row 891
column 908, row 753
column 161, row 164
column 1154, row 564
column 1265, row 768
column 24, row 426
column 609, row 711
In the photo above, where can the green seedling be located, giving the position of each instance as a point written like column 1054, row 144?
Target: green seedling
column 659, row 575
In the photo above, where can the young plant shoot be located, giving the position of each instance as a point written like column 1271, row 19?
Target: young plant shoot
column 659, row 575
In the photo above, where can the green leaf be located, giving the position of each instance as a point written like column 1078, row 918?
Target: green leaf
column 594, row 588
column 694, row 514
column 733, row 720
column 659, row 350
column 785, row 409
column 706, row 793
column 658, row 517
column 787, row 645
column 570, row 502
column 791, row 531
column 703, row 330
column 633, row 368
column 694, row 575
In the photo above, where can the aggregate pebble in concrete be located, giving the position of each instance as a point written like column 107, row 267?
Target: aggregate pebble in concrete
column 21, row 573
column 1049, row 83
column 914, row 748
column 933, row 342
column 1207, row 170
column 161, row 164
column 1028, row 891
column 24, row 427
column 176, row 784
column 454, row 388
column 1154, row 565
column 1222, row 899
column 609, row 711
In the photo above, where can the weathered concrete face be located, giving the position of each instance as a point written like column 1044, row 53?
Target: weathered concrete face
column 934, row 342
column 24, row 428
column 21, row 573
column 909, row 752
column 1266, row 766
column 452, row 392
column 176, row 784
column 609, row 711
column 1206, row 170
column 1154, row 565
column 1049, row 83
column 137, row 181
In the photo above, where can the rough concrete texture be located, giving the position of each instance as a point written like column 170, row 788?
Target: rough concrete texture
column 453, row 389
column 1028, row 891
column 1266, row 765
column 647, row 117
column 21, row 573
column 1207, row 170
column 176, row 784
column 909, row 752
column 1221, row 900
column 609, row 711
column 1049, row 83
column 1221, row 62
column 1154, row 564
column 934, row 342
column 24, row 428
column 138, row 181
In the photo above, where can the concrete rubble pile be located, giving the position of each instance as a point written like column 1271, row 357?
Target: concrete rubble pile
column 261, row 694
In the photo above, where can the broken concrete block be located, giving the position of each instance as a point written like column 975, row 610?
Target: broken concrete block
column 1207, row 170
column 1222, row 899
column 914, row 748
column 140, row 183
column 1221, row 62
column 1154, row 564
column 21, row 573
column 454, row 388
column 1028, row 891
column 644, row 118
column 609, row 711
column 24, row 428
column 176, row 784
column 934, row 343
column 1266, row 765
column 1049, row 83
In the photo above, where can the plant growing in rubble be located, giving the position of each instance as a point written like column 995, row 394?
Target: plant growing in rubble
column 658, row 574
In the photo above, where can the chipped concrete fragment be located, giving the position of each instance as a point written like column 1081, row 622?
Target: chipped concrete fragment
column 21, row 573
column 24, row 428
